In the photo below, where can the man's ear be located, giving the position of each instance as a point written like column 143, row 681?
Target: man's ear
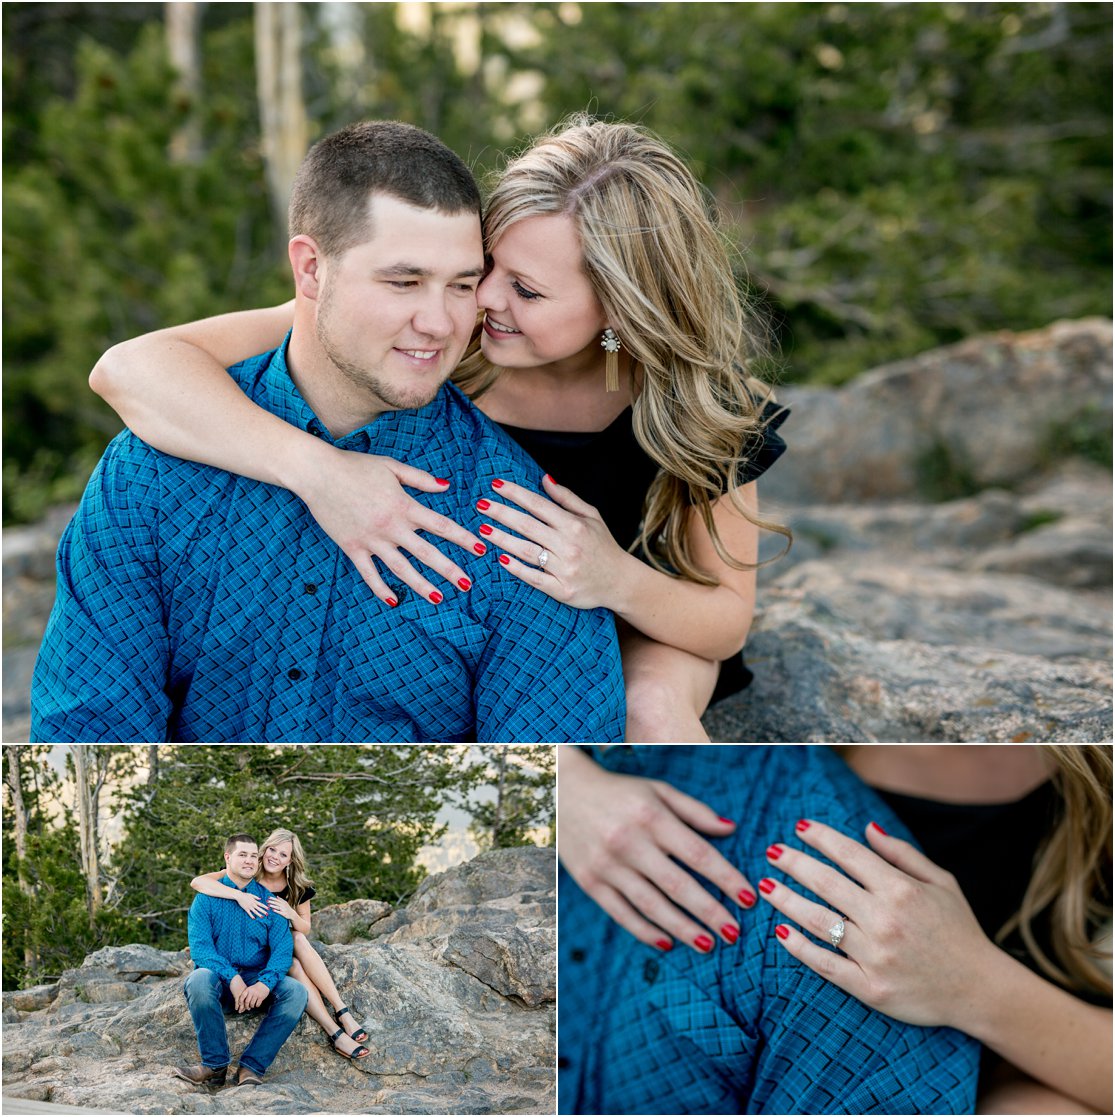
column 306, row 262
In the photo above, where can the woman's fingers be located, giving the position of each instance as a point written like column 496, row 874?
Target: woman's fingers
column 532, row 575
column 680, row 841
column 859, row 862
column 425, row 519
column 673, row 915
column 531, row 528
column 629, row 919
column 842, row 972
column 833, row 887
column 568, row 499
column 817, row 919
column 540, row 508
column 687, row 898
column 903, row 856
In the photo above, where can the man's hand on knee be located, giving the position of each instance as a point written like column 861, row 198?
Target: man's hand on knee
column 254, row 996
column 238, row 987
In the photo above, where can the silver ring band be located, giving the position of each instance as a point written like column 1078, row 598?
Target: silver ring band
column 543, row 558
column 836, row 933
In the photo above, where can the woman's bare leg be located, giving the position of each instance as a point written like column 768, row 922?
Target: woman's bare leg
column 667, row 690
column 316, row 1010
column 317, row 972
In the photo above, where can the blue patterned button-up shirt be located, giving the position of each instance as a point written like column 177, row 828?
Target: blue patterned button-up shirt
column 228, row 941
column 747, row 1028
column 197, row 605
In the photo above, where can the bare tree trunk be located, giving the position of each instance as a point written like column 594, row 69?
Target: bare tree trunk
column 87, row 769
column 182, row 20
column 15, row 784
column 497, row 820
column 285, row 133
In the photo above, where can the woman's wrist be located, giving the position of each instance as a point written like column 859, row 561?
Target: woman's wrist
column 302, row 462
column 630, row 588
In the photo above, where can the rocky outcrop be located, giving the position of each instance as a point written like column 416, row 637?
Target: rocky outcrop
column 984, row 617
column 459, row 1014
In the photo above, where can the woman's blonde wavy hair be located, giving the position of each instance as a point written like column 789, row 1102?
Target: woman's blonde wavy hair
column 1072, row 873
column 296, row 878
column 660, row 268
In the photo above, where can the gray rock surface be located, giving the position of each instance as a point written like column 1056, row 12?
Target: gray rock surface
column 986, row 617
column 460, row 1017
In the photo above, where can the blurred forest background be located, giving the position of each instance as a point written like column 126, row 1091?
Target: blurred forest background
column 101, row 841
column 895, row 176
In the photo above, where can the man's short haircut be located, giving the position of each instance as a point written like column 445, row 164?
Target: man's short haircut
column 236, row 839
column 329, row 199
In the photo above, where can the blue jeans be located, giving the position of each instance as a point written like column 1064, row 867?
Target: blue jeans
column 209, row 998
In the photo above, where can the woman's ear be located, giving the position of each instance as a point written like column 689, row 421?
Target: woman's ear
column 306, row 261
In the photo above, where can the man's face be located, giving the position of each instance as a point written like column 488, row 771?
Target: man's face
column 395, row 313
column 242, row 861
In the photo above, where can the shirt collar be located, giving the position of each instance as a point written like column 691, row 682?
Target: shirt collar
column 282, row 398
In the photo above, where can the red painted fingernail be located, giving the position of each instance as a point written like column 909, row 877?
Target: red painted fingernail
column 505, row 560
column 483, row 505
column 392, row 602
column 464, row 583
column 664, row 944
column 729, row 933
column 747, row 898
column 879, row 828
column 497, row 484
column 436, row 597
column 774, row 852
column 550, row 479
column 726, row 821
column 703, row 943
column 479, row 548
column 802, row 826
column 766, row 886
column 442, row 480
column 485, row 529
column 782, row 931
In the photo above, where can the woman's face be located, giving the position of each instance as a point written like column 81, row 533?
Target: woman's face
column 277, row 857
column 539, row 305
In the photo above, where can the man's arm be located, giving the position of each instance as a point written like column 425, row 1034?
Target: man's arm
column 102, row 668
column 203, row 939
column 549, row 672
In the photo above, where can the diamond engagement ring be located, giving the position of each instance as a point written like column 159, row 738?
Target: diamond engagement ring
column 543, row 558
column 836, row 933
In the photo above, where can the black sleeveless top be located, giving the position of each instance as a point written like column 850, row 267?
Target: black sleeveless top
column 612, row 472
column 308, row 894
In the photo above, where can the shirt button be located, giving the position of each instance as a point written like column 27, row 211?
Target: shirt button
column 577, row 955
column 563, row 1062
column 310, row 587
column 650, row 970
column 294, row 674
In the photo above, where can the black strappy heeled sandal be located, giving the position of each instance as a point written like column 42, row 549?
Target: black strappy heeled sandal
column 359, row 1035
column 360, row 1053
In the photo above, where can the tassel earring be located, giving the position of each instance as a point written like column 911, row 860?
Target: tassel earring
column 611, row 360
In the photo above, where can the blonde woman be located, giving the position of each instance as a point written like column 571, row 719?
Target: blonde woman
column 1001, row 928
column 598, row 237
column 282, row 870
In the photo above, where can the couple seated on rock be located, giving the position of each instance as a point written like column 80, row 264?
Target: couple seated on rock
column 248, row 941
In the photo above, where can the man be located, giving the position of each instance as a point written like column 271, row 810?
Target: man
column 746, row 1028
column 241, row 964
column 195, row 605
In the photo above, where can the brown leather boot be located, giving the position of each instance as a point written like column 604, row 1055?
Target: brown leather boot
column 203, row 1075
column 245, row 1076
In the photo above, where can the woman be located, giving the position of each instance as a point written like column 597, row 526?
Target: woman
column 282, row 870
column 995, row 930
column 613, row 347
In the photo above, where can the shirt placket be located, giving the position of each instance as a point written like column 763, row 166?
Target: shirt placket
column 299, row 637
